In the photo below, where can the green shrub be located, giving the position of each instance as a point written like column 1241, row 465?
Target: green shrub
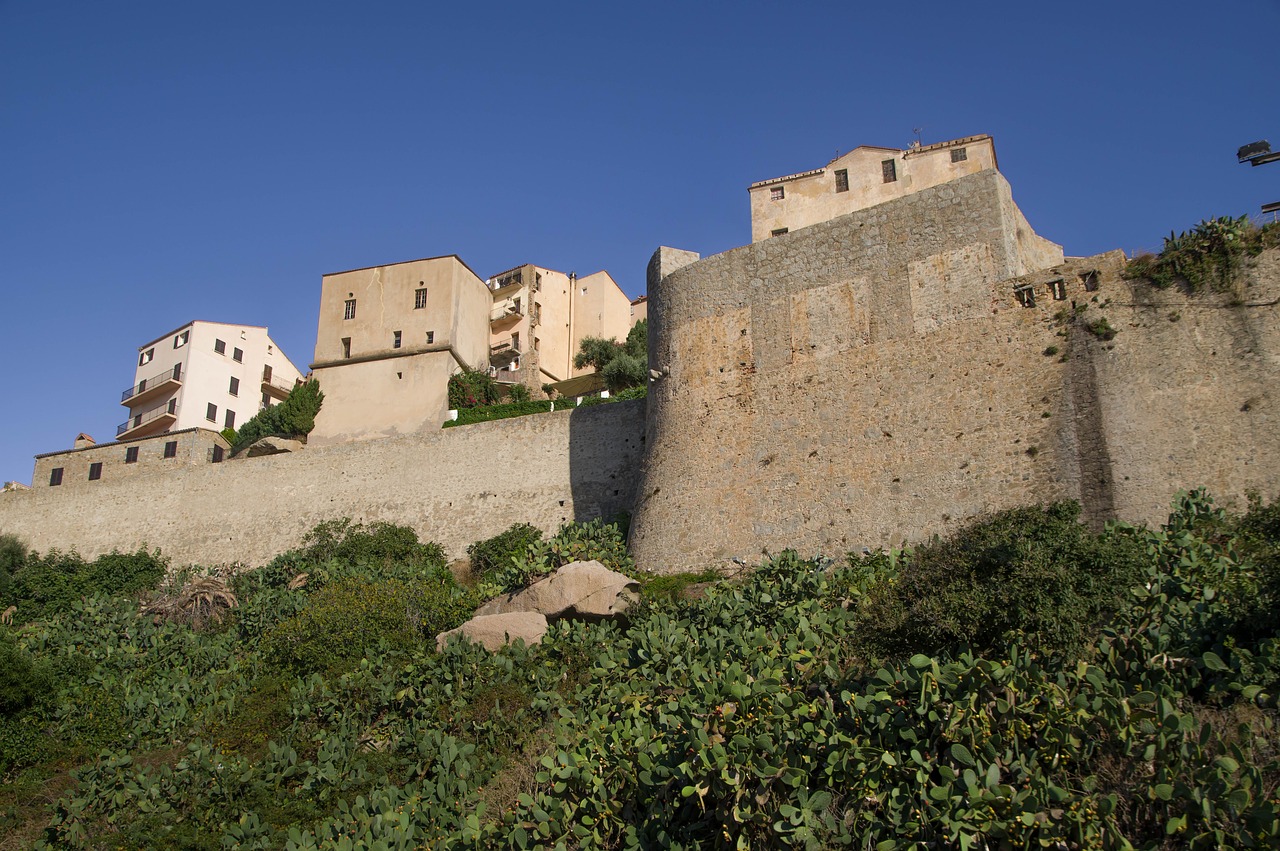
column 13, row 557
column 517, row 393
column 1207, row 257
column 593, row 540
column 495, row 554
column 353, row 617
column 23, row 680
column 47, row 585
column 472, row 389
column 1101, row 328
column 294, row 417
column 467, row 416
column 1030, row 575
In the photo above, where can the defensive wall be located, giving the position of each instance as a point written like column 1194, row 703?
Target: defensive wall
column 878, row 378
column 453, row 486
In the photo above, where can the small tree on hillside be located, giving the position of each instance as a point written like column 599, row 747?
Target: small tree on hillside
column 294, row 417
column 621, row 365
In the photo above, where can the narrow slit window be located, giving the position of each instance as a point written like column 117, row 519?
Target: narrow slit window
column 395, row 339
column 1059, row 289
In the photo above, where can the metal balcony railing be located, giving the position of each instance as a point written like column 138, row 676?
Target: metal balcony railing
column 507, row 310
column 170, row 409
column 174, row 374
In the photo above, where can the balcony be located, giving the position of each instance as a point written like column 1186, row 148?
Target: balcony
column 149, row 422
column 150, row 389
column 501, row 354
column 510, row 311
column 277, row 388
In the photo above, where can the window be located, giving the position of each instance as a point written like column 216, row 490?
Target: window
column 231, row 418
column 234, row 389
column 1090, row 280
column 216, row 457
column 515, row 342
column 237, row 355
column 220, row 347
column 131, row 455
column 349, row 309
column 1059, row 289
column 842, row 180
column 959, row 155
column 266, row 400
column 889, row 169
column 395, row 339
column 779, row 232
column 1026, row 295
column 181, row 340
column 95, row 471
column 145, row 357
column 431, row 338
column 346, row 347
column 171, row 449
column 266, row 373
column 777, row 193
column 211, row 413
column 55, row 477
column 420, row 298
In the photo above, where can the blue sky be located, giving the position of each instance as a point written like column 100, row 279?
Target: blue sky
column 162, row 162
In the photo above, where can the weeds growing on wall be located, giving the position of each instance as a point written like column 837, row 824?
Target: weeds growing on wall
column 1134, row 709
column 1207, row 257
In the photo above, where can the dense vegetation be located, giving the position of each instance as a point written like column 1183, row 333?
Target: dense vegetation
column 1208, row 256
column 621, row 365
column 1023, row 684
column 294, row 417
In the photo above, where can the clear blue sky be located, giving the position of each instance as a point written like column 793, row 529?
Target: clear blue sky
column 168, row 161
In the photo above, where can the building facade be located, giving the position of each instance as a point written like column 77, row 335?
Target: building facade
column 208, row 375
column 862, row 178
column 540, row 317
column 88, row 463
column 388, row 339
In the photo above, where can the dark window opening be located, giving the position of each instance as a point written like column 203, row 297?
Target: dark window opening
column 1059, row 289
column 171, row 449
column 395, row 339
column 237, row 355
column 231, row 419
column 1026, row 296
column 777, row 193
column 889, row 168
column 55, row 477
column 842, row 180
column 95, row 471
column 419, row 298
column 959, row 155
column 234, row 389
column 217, row 455
column 220, row 347
column 431, row 337
column 131, row 455
column 779, row 232
column 1090, row 280
column 211, row 413
column 346, row 347
column 349, row 309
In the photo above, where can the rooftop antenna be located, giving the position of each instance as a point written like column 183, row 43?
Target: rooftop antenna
column 917, row 130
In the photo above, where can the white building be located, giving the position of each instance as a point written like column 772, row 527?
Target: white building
column 207, row 375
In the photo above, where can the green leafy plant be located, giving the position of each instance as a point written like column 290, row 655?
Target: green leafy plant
column 517, row 393
column 472, row 389
column 295, row 417
column 1207, row 257
column 490, row 556
column 487, row 413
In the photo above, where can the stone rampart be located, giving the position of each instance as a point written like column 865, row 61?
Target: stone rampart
column 454, row 486
column 876, row 379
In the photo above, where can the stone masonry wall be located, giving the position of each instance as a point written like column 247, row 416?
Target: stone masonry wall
column 454, row 486
column 876, row 379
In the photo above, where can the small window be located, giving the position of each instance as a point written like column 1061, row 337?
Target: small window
column 181, row 340
column 234, row 389
column 231, row 419
column 131, row 455
column 1059, row 289
column 431, row 337
column 217, row 455
column 420, row 298
column 779, row 232
column 1026, row 295
column 842, row 180
column 349, row 309
column 266, row 400
column 346, row 347
column 55, row 477
column 395, row 339
column 95, row 471
column 959, row 155
column 171, row 449
column 237, row 355
column 1090, row 280
column 145, row 357
column 889, row 168
column 777, row 193
column 211, row 413
column 220, row 347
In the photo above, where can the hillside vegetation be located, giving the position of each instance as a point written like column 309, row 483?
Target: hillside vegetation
column 1023, row 684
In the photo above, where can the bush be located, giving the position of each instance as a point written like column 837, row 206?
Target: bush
column 351, row 618
column 517, row 393
column 13, row 557
column 294, row 417
column 495, row 554
column 23, row 681
column 594, row 540
column 1032, row 575
column 467, row 416
column 472, row 389
column 47, row 585
column 625, row 371
column 1206, row 257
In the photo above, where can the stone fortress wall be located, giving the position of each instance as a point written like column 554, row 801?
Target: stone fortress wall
column 454, row 486
column 875, row 379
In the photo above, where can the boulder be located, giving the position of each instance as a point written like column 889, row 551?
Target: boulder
column 581, row 590
column 272, row 446
column 495, row 631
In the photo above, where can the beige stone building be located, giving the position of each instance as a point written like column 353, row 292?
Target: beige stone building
column 208, row 375
column 862, row 178
column 387, row 341
column 540, row 317
column 88, row 463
